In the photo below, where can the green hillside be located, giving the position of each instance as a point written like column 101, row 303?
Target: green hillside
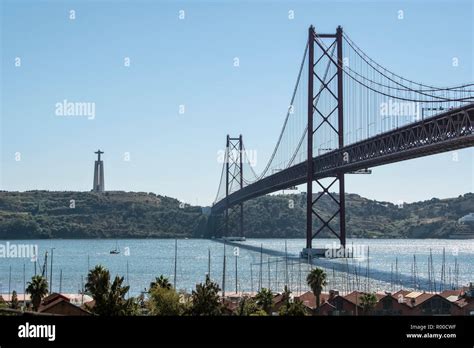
column 116, row 214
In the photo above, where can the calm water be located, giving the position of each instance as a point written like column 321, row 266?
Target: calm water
column 148, row 258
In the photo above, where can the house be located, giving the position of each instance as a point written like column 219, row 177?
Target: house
column 402, row 302
column 230, row 304
column 463, row 299
column 389, row 305
column 326, row 309
column 52, row 297
column 423, row 303
column 385, row 304
column 278, row 302
column 309, row 300
column 456, row 298
column 331, row 304
column 60, row 305
column 467, row 300
column 344, row 306
column 433, row 304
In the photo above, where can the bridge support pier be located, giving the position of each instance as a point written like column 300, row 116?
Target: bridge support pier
column 324, row 120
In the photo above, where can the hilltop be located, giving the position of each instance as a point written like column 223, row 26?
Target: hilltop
column 113, row 214
column 118, row 214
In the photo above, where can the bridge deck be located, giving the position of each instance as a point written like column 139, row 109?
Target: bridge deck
column 447, row 131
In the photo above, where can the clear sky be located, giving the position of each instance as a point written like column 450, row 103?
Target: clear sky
column 190, row 62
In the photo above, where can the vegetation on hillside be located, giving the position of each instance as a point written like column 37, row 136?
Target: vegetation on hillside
column 43, row 214
column 284, row 216
column 117, row 214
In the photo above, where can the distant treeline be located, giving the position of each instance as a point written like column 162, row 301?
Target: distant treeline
column 117, row 214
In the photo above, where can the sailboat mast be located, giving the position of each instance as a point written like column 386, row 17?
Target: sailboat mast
column 175, row 262
column 223, row 273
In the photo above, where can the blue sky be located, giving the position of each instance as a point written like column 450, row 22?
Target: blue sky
column 189, row 62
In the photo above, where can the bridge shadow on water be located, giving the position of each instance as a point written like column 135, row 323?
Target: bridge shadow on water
column 255, row 248
column 353, row 266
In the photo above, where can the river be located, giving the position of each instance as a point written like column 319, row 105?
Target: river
column 149, row 258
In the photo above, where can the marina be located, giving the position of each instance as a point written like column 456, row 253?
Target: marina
column 386, row 265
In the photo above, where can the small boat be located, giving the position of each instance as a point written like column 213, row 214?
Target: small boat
column 116, row 250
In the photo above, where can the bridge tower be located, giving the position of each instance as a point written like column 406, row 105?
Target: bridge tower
column 234, row 175
column 318, row 117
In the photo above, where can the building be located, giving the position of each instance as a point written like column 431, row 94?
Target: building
column 342, row 306
column 403, row 302
column 432, row 304
column 330, row 304
column 463, row 300
column 355, row 298
column 309, row 300
column 60, row 305
column 389, row 305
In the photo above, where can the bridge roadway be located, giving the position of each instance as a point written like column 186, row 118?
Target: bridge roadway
column 447, row 131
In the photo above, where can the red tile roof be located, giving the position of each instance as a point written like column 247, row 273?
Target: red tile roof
column 50, row 304
column 59, row 299
column 53, row 297
column 423, row 297
column 354, row 297
column 462, row 302
column 326, row 304
column 400, row 292
column 278, row 298
column 309, row 300
column 448, row 293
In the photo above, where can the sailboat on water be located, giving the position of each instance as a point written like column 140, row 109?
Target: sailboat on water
column 116, row 250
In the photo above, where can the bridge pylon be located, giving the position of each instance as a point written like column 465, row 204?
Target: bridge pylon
column 234, row 175
column 323, row 116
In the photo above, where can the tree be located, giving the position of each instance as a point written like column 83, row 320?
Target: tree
column 259, row 313
column 264, row 299
column 286, row 295
column 161, row 282
column 109, row 298
column 316, row 280
column 37, row 288
column 368, row 302
column 98, row 280
column 295, row 308
column 14, row 302
column 3, row 304
column 164, row 301
column 291, row 308
column 205, row 299
column 141, row 301
column 248, row 306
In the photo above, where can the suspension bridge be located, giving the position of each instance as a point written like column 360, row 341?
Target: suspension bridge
column 347, row 114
